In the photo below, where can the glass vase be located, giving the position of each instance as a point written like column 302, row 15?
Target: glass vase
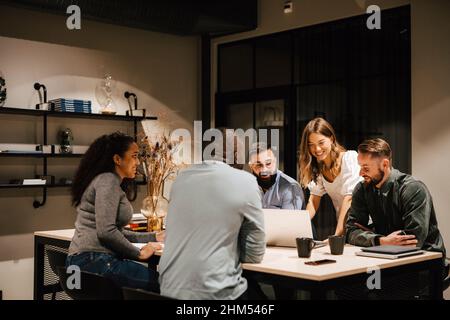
column 154, row 208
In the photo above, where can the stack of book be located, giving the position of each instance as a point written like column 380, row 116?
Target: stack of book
column 138, row 223
column 71, row 105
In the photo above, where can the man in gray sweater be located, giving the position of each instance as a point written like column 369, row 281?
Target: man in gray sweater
column 214, row 223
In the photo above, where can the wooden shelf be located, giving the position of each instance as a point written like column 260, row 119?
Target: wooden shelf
column 45, row 114
column 40, row 155
column 54, row 185
column 97, row 116
column 26, row 186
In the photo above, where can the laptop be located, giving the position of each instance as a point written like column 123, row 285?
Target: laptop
column 283, row 226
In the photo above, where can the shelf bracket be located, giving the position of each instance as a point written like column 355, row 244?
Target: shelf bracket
column 37, row 204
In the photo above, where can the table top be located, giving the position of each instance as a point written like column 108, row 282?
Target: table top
column 65, row 234
column 285, row 261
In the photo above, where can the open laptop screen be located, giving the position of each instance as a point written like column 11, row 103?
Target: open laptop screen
column 283, row 226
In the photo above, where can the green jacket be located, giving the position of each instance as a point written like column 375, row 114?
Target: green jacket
column 402, row 203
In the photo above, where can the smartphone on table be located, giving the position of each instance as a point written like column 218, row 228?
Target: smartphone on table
column 319, row 262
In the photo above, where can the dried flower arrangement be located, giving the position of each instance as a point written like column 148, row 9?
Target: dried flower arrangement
column 157, row 157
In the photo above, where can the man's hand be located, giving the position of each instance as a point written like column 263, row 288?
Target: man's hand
column 397, row 239
column 160, row 236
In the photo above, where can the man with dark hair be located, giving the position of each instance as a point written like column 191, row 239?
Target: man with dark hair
column 279, row 190
column 401, row 207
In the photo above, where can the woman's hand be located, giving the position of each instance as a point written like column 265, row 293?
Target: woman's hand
column 313, row 205
column 340, row 229
column 148, row 250
column 161, row 236
column 343, row 215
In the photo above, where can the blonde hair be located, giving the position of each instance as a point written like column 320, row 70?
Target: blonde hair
column 308, row 165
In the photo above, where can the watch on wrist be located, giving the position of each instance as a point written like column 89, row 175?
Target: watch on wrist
column 376, row 241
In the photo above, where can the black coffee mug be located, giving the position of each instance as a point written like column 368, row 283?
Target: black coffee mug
column 336, row 244
column 304, row 247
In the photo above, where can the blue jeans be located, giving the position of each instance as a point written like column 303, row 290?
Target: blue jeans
column 124, row 273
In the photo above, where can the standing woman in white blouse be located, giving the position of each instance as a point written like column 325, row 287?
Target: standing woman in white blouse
column 326, row 167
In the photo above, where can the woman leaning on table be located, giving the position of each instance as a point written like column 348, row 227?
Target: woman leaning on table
column 326, row 167
column 101, row 244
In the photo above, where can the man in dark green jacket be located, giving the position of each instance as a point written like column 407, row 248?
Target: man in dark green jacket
column 400, row 207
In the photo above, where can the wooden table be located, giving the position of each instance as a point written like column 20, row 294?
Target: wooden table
column 282, row 266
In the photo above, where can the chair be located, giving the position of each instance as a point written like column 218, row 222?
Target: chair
column 92, row 287
column 56, row 259
column 446, row 283
column 139, row 294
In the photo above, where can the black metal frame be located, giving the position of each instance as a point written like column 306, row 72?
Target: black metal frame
column 46, row 114
column 39, row 260
column 39, row 289
column 319, row 289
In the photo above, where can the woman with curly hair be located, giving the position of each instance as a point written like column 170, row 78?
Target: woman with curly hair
column 101, row 244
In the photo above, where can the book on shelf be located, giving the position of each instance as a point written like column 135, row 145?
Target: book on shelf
column 137, row 226
column 81, row 110
column 32, row 182
column 71, row 105
column 72, row 108
column 138, row 217
column 20, row 148
column 138, row 223
column 70, row 101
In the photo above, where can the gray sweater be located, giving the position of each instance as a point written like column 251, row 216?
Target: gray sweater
column 103, row 212
column 214, row 223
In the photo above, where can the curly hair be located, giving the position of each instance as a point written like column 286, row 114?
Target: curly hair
column 99, row 159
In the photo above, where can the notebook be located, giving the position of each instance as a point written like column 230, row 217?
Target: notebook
column 389, row 252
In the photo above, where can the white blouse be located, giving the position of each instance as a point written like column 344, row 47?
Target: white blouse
column 343, row 184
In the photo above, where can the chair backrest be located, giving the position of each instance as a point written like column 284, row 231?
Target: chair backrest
column 56, row 259
column 446, row 283
column 139, row 294
column 92, row 287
